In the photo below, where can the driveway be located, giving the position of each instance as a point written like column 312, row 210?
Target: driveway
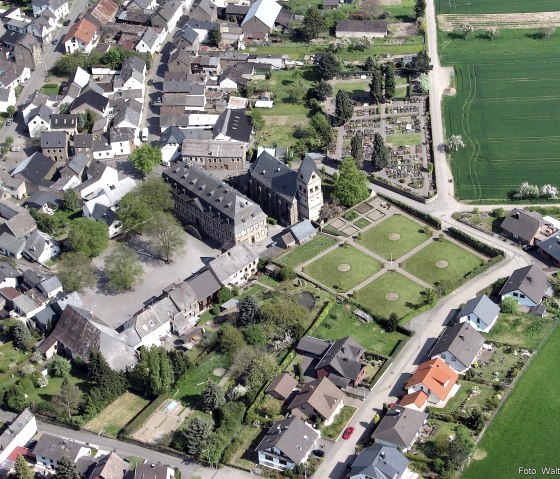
column 115, row 309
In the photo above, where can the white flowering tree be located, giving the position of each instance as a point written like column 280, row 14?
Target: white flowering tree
column 527, row 191
column 424, row 82
column 549, row 191
column 455, row 142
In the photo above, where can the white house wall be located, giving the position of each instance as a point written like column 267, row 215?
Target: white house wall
column 521, row 298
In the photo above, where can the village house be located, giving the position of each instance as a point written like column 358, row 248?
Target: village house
column 54, row 145
column 214, row 208
column 380, row 462
column 318, row 400
column 170, row 142
column 17, row 434
column 260, row 19
column 287, row 444
column 458, row 346
column 529, row 286
column 480, row 312
column 550, row 250
column 399, row 428
column 526, row 227
column 167, row 15
column 215, row 155
column 436, row 380
column 282, row 387
column 236, row 265
column 58, row 7
column 49, row 450
column 82, row 36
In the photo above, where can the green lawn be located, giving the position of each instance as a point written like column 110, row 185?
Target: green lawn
column 495, row 6
column 301, row 254
column 358, row 86
column 485, row 393
column 341, row 322
column 376, row 239
column 525, row 433
column 192, row 383
column 459, row 262
column 333, row 430
column 362, row 223
column 374, row 295
column 244, row 457
column 404, row 140
column 519, row 330
column 50, row 89
column 326, row 269
column 506, row 110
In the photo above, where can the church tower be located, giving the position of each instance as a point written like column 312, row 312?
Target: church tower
column 309, row 192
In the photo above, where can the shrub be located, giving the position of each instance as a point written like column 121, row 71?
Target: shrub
column 475, row 244
column 508, row 305
column 434, row 222
column 272, row 221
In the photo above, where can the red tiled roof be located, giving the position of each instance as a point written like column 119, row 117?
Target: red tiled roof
column 104, row 11
column 18, row 450
column 436, row 375
column 84, row 30
column 418, row 398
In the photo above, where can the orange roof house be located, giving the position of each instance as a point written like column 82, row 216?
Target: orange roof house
column 417, row 400
column 82, row 36
column 436, row 379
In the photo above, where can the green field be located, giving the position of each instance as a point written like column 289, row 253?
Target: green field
column 506, row 108
column 341, row 322
column 306, row 251
column 521, row 330
column 496, row 6
column 376, row 239
column 374, row 295
column 525, row 433
column 326, row 268
column 424, row 265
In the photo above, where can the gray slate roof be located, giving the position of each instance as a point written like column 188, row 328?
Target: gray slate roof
column 302, row 230
column 530, row 280
column 172, row 135
column 399, row 426
column 524, row 224
column 461, row 340
column 233, row 260
column 54, row 447
column 292, row 436
column 379, row 462
column 482, row 306
column 313, row 346
column 344, row 357
column 551, row 246
column 53, row 139
column 322, row 395
column 11, row 244
column 215, row 198
column 234, row 124
column 275, row 175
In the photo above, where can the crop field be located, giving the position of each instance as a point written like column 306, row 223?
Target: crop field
column 513, row 440
column 496, row 6
column 506, row 108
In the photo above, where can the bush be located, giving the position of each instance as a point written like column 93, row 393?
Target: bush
column 286, row 274
column 272, row 221
column 475, row 244
column 508, row 305
column 434, row 222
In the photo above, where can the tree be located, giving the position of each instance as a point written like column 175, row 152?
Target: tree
column 153, row 375
column 179, row 362
column 248, row 311
column 113, row 58
column 322, row 127
column 86, row 120
column 69, row 398
column 224, row 294
column 261, row 369
column 9, row 140
column 392, row 322
column 122, row 268
column 430, row 296
column 89, row 237
column 69, row 63
column 313, row 24
column 66, row 469
column 343, row 107
column 467, row 29
column 351, row 186
column 167, row 235
column 420, row 63
column 283, row 316
column 257, row 119
column 526, row 190
column 475, row 420
column 75, row 271
column 424, row 82
column 254, row 335
column 370, row 64
column 459, row 448
column 22, row 469
column 322, row 90
column 549, row 191
column 390, row 83
column 11, row 110
column 72, row 200
column 546, row 32
column 230, row 340
column 454, row 143
column 376, row 86
column 379, row 153
column 498, row 212
column 419, row 8
column 328, row 66
column 98, row 368
column 357, row 149
column 491, row 32
column 196, row 433
column 22, row 337
column 214, row 37
column 16, row 398
column 213, row 396
column 145, row 158
column 286, row 274
column 508, row 305
column 59, row 367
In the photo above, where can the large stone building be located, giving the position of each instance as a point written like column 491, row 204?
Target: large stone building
column 214, row 208
column 215, row 155
column 283, row 193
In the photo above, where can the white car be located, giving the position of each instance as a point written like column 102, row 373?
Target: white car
column 15, row 148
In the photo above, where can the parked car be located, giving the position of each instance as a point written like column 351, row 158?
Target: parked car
column 55, row 41
column 8, row 122
column 150, row 82
column 15, row 148
column 348, row 432
column 66, row 22
column 318, row 453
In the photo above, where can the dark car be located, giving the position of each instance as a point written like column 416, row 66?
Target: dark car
column 66, row 23
column 348, row 432
column 55, row 41
column 318, row 453
column 150, row 82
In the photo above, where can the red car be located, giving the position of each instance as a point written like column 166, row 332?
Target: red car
column 347, row 432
